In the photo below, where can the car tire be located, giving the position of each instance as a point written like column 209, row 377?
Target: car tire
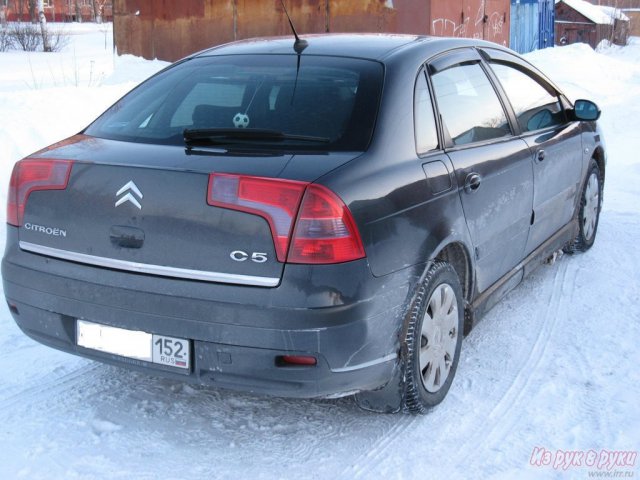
column 432, row 340
column 589, row 212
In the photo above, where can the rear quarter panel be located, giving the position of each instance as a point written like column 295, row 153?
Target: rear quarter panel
column 402, row 222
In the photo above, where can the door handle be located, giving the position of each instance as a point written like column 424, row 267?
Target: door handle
column 472, row 182
column 540, row 155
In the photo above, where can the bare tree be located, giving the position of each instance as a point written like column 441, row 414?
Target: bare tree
column 30, row 37
column 619, row 27
column 98, row 6
column 32, row 11
column 43, row 27
column 25, row 36
column 6, row 39
column 78, row 11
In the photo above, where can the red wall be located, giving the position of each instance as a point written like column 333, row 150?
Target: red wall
column 169, row 30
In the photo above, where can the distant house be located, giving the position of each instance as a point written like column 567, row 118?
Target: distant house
column 631, row 8
column 580, row 21
column 634, row 16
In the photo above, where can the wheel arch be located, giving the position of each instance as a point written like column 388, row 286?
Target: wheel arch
column 599, row 157
column 456, row 254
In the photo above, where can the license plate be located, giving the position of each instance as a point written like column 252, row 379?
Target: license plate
column 160, row 349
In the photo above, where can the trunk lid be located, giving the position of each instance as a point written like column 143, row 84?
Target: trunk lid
column 143, row 208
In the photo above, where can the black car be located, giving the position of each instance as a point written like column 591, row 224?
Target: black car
column 313, row 219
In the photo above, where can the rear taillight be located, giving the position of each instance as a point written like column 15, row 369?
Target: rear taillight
column 275, row 200
column 31, row 175
column 324, row 230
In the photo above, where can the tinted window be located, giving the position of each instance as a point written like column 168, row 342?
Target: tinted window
column 469, row 105
column 335, row 99
column 425, row 124
column 534, row 105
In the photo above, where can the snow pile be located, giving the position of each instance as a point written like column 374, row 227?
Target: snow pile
column 45, row 97
column 610, row 77
column 554, row 366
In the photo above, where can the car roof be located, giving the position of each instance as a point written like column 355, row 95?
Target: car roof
column 366, row 45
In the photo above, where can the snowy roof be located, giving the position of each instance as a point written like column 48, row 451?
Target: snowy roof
column 614, row 13
column 596, row 13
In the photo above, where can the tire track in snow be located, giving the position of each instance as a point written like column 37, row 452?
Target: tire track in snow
column 537, row 351
column 53, row 385
column 505, row 413
column 26, row 362
column 366, row 463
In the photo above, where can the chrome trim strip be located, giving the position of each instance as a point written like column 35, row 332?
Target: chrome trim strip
column 151, row 269
column 371, row 363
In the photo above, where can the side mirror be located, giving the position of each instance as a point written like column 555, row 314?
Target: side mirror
column 586, row 110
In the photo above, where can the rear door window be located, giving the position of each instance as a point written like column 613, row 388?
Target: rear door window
column 470, row 108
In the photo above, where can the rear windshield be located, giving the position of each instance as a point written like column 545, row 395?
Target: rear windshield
column 315, row 102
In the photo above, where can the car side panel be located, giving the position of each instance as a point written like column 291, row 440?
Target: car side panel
column 402, row 221
column 404, row 217
column 557, row 179
column 498, row 212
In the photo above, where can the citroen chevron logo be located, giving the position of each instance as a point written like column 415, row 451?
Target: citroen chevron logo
column 131, row 188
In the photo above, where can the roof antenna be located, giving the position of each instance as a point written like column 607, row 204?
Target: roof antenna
column 300, row 44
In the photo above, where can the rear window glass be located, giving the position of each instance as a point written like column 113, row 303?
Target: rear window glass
column 469, row 105
column 218, row 95
column 332, row 99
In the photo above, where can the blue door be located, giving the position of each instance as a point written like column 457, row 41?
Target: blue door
column 524, row 25
column 546, row 26
column 531, row 24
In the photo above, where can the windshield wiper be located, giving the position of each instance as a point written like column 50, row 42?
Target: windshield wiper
column 222, row 136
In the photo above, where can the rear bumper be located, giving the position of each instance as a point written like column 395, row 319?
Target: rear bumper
column 341, row 314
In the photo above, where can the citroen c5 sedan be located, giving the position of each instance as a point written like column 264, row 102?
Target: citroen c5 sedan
column 313, row 219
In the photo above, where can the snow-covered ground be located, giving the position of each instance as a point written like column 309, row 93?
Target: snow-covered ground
column 556, row 365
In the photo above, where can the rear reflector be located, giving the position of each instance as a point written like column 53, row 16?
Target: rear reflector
column 324, row 231
column 296, row 360
column 32, row 175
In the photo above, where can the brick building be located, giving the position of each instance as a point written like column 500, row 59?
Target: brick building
column 57, row 10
